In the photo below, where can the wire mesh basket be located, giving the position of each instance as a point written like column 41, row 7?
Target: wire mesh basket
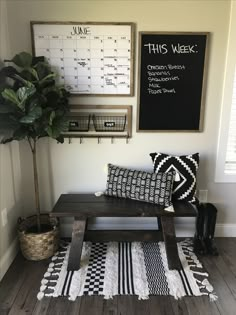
column 79, row 123
column 109, row 123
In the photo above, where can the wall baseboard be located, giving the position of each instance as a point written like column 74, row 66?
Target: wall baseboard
column 182, row 230
column 225, row 230
column 8, row 257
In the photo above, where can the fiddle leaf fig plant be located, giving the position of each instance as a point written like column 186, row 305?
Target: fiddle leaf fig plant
column 32, row 106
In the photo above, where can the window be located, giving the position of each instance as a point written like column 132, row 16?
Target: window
column 226, row 155
column 230, row 161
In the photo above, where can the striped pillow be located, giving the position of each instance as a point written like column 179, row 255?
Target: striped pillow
column 149, row 187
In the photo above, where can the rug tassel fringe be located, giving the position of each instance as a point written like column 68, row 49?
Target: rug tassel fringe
column 108, row 297
column 143, row 297
column 40, row 296
column 213, row 297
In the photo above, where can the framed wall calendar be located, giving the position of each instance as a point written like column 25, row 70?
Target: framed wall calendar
column 89, row 58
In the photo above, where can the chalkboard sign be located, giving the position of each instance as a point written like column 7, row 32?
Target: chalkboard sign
column 172, row 75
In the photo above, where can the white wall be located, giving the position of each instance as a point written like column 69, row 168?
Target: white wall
column 10, row 175
column 79, row 167
column 227, row 102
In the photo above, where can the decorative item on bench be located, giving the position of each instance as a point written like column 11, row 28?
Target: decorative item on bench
column 109, row 123
column 139, row 185
column 205, row 229
column 79, row 122
column 185, row 166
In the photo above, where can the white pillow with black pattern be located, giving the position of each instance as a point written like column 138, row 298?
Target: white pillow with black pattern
column 185, row 166
column 143, row 186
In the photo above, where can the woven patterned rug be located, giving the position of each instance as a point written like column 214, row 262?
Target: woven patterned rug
column 125, row 268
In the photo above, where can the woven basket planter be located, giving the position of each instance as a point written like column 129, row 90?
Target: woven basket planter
column 38, row 246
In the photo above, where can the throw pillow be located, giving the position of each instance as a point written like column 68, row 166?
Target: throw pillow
column 185, row 166
column 139, row 185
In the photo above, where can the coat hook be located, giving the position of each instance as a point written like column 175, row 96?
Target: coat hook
column 69, row 140
column 112, row 140
column 99, row 140
column 81, row 140
column 127, row 140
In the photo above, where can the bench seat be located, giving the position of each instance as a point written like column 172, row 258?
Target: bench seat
column 85, row 206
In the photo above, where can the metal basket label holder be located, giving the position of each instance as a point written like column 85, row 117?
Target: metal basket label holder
column 109, row 123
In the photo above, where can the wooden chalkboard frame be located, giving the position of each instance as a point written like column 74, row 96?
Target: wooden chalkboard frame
column 201, row 105
column 107, row 26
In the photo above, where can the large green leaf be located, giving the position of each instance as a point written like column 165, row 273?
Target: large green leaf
column 43, row 70
column 27, row 75
column 23, row 94
column 34, row 73
column 20, row 96
column 23, row 60
column 32, row 115
column 10, row 95
column 49, row 131
column 45, row 84
column 22, row 80
column 59, row 126
column 60, row 139
column 52, row 116
column 8, row 71
column 48, row 77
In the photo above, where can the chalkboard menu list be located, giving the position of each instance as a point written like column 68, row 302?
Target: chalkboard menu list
column 172, row 69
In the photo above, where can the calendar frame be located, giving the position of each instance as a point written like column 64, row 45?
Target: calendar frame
column 105, row 25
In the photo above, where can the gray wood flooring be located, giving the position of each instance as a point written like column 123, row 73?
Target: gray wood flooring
column 19, row 288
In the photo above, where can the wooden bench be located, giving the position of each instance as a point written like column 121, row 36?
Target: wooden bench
column 85, row 206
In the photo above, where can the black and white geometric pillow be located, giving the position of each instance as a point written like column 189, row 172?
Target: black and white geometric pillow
column 185, row 166
column 139, row 185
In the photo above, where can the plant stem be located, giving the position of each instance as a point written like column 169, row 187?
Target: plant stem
column 36, row 182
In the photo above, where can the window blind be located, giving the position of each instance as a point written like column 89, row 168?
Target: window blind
column 230, row 162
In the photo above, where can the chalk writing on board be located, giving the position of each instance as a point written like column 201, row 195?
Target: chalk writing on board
column 172, row 72
column 158, row 75
column 175, row 49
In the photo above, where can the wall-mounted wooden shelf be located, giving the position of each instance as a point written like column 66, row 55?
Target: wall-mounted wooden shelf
column 100, row 121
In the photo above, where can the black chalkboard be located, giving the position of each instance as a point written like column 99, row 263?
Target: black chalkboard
column 172, row 75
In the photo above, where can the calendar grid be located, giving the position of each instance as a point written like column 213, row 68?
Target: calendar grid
column 96, row 63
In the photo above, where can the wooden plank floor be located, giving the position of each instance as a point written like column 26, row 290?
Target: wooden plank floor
column 19, row 288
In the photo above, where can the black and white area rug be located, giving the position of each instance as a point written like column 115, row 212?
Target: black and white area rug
column 135, row 268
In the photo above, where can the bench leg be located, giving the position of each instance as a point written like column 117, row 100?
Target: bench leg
column 168, row 230
column 79, row 227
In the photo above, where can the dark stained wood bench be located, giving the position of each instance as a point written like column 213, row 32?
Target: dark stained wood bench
column 85, row 206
